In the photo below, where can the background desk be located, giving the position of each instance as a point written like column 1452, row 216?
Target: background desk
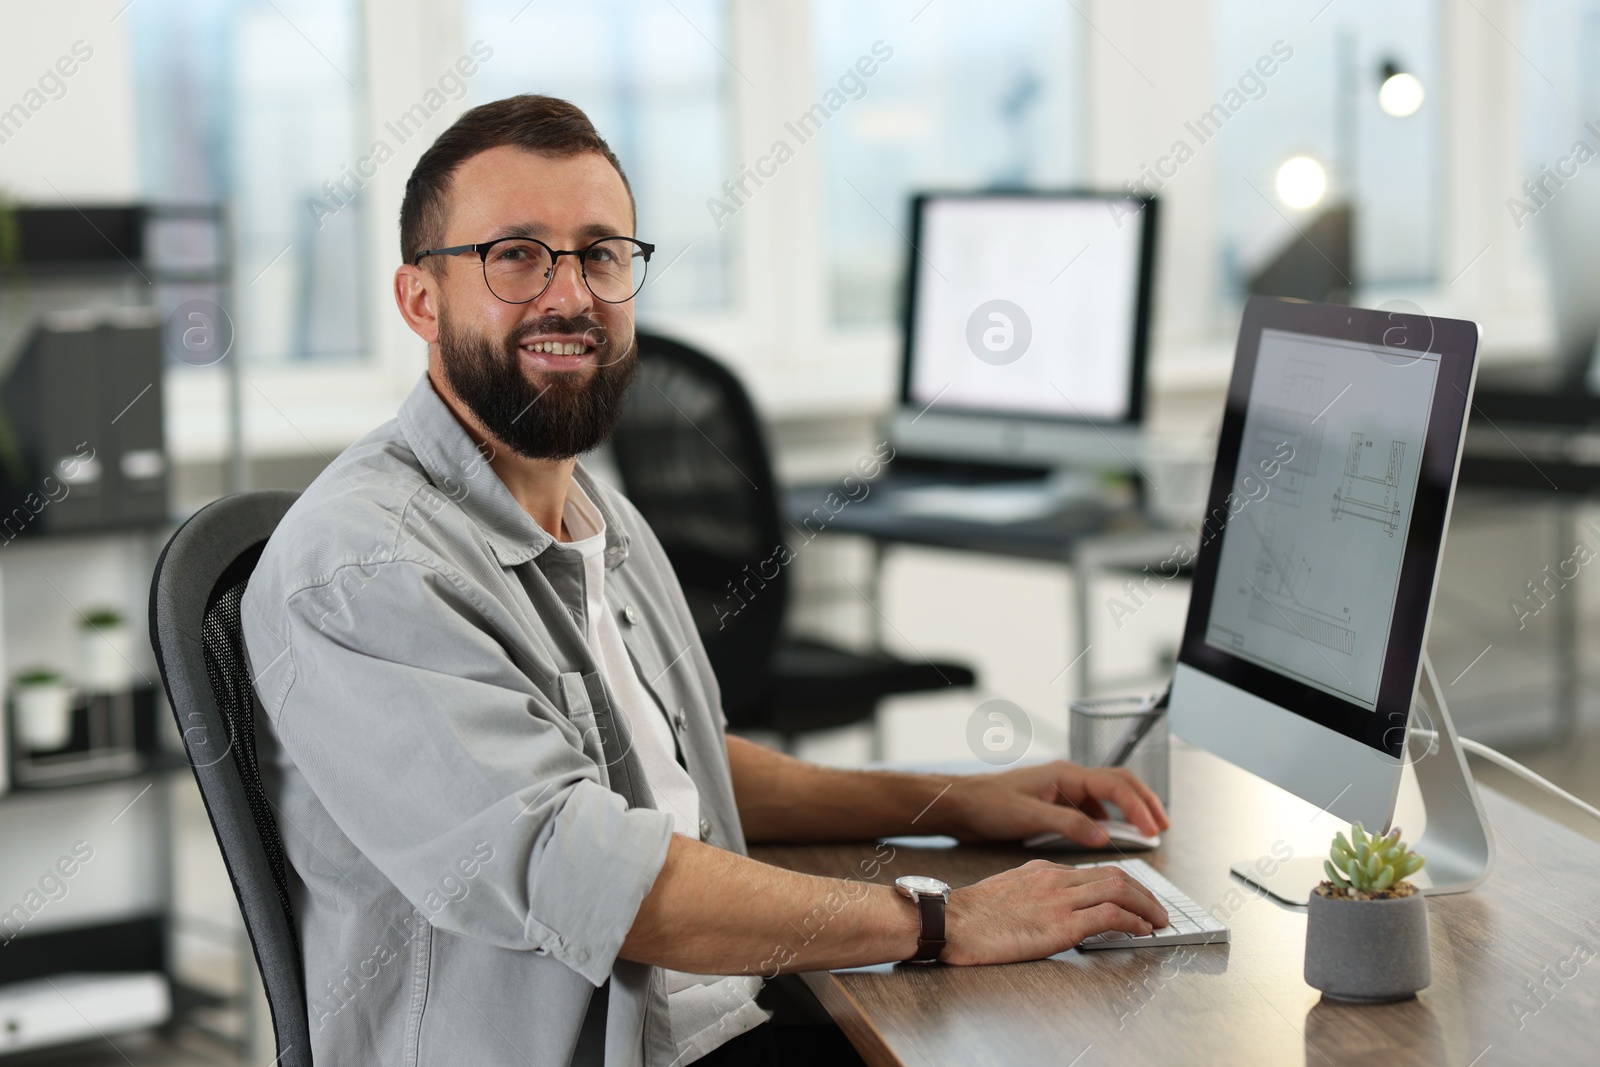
column 1246, row 1002
column 1084, row 539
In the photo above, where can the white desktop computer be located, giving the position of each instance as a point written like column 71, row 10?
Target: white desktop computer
column 1026, row 328
column 1304, row 655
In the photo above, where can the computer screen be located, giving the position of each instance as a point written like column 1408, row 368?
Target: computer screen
column 1309, row 567
column 1030, row 305
column 1303, row 659
column 1320, row 547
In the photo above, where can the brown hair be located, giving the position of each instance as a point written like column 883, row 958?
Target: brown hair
column 542, row 124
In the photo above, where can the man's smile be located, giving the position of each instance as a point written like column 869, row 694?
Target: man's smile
column 557, row 352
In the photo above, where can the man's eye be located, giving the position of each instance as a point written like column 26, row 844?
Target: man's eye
column 601, row 255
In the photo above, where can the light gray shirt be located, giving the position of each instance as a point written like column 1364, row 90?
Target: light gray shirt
column 468, row 829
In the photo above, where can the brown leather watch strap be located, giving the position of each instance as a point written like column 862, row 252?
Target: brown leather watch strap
column 930, row 941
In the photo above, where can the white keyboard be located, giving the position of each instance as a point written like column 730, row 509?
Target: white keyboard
column 1188, row 922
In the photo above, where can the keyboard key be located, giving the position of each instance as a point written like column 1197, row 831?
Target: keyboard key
column 1189, row 923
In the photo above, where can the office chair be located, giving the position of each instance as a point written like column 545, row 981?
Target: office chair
column 194, row 628
column 694, row 461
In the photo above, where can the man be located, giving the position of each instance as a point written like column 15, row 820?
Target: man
column 491, row 736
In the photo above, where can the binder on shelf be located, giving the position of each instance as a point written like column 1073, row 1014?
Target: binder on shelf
column 82, row 444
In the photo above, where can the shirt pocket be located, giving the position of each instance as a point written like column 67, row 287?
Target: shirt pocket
column 580, row 710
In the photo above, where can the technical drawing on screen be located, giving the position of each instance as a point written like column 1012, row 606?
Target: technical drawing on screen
column 1343, row 499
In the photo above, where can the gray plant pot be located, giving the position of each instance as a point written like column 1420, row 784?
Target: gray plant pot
column 1368, row 951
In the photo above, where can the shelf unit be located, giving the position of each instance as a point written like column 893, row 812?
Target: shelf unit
column 183, row 253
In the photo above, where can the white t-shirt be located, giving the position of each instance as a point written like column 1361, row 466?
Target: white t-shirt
column 706, row 1010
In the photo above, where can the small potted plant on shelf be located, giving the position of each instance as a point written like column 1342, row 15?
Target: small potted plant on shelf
column 105, row 645
column 43, row 703
column 1367, row 927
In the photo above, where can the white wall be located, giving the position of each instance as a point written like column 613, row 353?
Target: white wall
column 1489, row 267
column 409, row 45
column 73, row 137
column 1149, row 71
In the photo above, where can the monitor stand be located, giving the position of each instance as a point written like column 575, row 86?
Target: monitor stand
column 1457, row 840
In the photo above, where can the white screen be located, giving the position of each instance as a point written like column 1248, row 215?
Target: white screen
column 1070, row 264
column 1323, row 495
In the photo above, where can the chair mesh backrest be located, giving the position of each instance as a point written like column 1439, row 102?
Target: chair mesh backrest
column 195, row 632
column 694, row 462
column 228, row 668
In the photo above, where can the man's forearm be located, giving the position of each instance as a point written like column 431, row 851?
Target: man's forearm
column 711, row 911
column 785, row 799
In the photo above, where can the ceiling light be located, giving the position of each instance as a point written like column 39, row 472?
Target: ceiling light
column 1401, row 94
column 1301, row 182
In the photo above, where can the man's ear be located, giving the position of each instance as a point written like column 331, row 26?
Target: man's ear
column 416, row 295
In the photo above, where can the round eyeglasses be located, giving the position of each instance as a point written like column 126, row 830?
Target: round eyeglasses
column 518, row 269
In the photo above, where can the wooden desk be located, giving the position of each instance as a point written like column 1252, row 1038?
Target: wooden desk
column 1247, row 1002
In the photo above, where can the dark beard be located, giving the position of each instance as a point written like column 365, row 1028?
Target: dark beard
column 556, row 416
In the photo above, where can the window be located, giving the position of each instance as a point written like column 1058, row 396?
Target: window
column 654, row 81
column 254, row 104
column 1558, row 201
column 1560, row 87
column 1323, row 102
column 953, row 102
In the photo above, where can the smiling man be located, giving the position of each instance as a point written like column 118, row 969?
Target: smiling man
column 515, row 826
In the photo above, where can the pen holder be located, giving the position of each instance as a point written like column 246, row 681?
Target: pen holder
column 1101, row 731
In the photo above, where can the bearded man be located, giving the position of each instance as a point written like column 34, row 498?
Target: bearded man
column 516, row 828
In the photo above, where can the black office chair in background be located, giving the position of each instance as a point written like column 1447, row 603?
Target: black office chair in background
column 694, row 461
column 194, row 627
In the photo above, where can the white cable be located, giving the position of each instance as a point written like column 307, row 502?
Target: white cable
column 1522, row 772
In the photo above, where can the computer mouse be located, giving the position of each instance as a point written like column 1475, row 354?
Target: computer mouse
column 1125, row 837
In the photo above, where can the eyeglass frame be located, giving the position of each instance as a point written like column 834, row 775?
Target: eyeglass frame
column 482, row 248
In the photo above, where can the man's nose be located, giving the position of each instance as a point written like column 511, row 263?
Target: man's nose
column 567, row 294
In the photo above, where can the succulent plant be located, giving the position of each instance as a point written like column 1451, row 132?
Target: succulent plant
column 100, row 619
column 38, row 676
column 1369, row 864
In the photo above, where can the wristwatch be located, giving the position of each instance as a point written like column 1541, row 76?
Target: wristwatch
column 930, row 896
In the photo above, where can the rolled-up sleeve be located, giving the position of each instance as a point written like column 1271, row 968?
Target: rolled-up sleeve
column 392, row 689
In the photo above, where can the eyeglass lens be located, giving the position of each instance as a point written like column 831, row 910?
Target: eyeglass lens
column 518, row 271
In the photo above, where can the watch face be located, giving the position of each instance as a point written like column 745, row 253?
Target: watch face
column 922, row 885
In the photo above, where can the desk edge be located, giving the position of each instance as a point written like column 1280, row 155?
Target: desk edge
column 850, row 1018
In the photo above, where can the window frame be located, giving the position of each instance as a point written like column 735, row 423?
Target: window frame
column 777, row 332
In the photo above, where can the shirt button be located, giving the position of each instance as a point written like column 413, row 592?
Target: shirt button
column 631, row 614
column 680, row 720
column 705, row 829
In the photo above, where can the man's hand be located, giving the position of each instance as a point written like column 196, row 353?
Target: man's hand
column 1041, row 908
column 1060, row 797
column 785, row 799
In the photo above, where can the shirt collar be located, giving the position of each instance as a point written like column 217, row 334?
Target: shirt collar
column 458, row 469
column 584, row 522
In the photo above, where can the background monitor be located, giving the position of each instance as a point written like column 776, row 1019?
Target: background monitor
column 1321, row 546
column 1026, row 329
